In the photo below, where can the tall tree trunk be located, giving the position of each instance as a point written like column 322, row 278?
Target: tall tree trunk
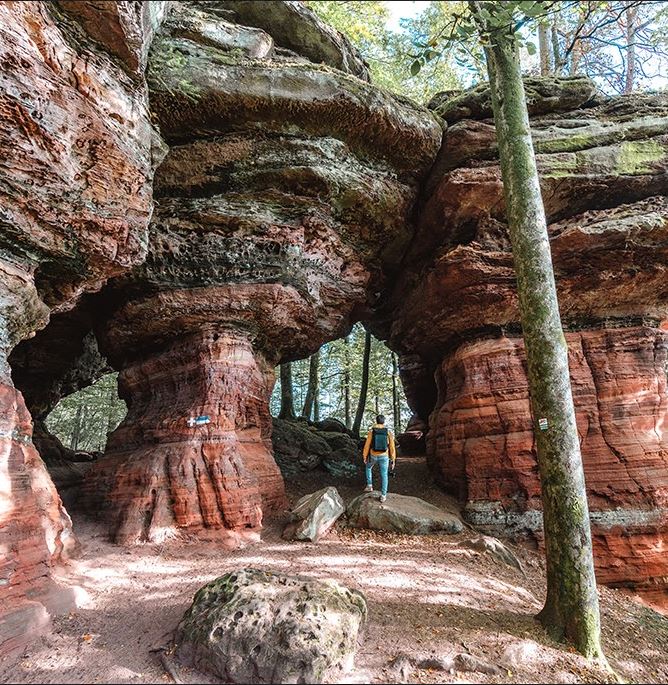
column 544, row 50
column 556, row 56
column 312, row 392
column 365, row 384
column 630, row 75
column 76, row 430
column 571, row 608
column 396, row 410
column 377, row 405
column 287, row 404
column 346, row 380
column 112, row 397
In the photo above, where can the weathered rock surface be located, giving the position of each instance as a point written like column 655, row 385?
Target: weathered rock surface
column 294, row 26
column 161, row 474
column 300, row 447
column 603, row 165
column 252, row 626
column 75, row 202
column 482, row 446
column 400, row 514
column 282, row 204
column 314, row 515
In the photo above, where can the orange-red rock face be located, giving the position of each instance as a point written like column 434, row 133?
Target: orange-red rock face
column 35, row 530
column 160, row 474
column 75, row 202
column 481, row 444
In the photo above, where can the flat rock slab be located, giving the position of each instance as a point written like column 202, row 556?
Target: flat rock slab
column 253, row 626
column 314, row 515
column 401, row 514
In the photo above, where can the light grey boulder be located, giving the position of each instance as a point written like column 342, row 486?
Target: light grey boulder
column 253, row 626
column 496, row 548
column 401, row 514
column 314, row 515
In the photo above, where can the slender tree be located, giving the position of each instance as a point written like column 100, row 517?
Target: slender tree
column 544, row 49
column 365, row 384
column 571, row 608
column 346, row 380
column 631, row 17
column 396, row 410
column 287, row 404
column 311, row 402
column 76, row 430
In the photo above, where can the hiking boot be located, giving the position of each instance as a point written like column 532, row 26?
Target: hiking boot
column 383, row 498
column 368, row 488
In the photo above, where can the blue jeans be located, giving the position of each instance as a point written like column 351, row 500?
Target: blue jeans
column 383, row 461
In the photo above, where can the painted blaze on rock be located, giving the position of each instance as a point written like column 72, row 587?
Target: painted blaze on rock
column 253, row 626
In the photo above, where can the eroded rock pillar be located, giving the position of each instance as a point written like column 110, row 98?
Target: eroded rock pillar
column 164, row 472
column 35, row 529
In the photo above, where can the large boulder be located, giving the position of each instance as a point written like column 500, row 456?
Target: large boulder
column 401, row 514
column 297, row 448
column 314, row 515
column 253, row 626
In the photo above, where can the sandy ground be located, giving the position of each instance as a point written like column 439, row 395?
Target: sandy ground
column 426, row 596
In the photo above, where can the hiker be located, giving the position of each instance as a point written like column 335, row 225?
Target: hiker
column 379, row 449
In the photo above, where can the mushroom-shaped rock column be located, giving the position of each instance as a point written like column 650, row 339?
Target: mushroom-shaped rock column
column 603, row 168
column 282, row 205
column 75, row 203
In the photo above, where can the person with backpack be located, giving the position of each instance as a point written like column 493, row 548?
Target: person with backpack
column 379, row 449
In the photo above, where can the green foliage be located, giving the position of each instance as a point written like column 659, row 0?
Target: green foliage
column 333, row 357
column 82, row 420
column 390, row 54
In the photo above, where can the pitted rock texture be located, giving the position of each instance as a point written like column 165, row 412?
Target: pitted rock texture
column 160, row 475
column 314, row 515
column 482, row 446
column 400, row 514
column 252, row 626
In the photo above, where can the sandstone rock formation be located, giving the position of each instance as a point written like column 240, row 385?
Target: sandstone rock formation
column 75, row 198
column 284, row 213
column 281, row 206
column 604, row 177
column 400, row 514
column 252, row 626
column 314, row 515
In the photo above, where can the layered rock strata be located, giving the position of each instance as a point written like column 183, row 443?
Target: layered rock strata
column 281, row 207
column 604, row 175
column 75, row 202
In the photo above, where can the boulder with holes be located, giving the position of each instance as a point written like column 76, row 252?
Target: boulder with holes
column 253, row 626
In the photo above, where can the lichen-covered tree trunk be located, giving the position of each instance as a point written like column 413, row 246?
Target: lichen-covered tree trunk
column 544, row 49
column 365, row 384
column 571, row 607
column 287, row 403
column 629, row 77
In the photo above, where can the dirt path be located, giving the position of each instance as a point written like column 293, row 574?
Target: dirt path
column 426, row 595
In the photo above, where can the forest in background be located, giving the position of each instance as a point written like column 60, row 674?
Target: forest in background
column 83, row 420
column 622, row 44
